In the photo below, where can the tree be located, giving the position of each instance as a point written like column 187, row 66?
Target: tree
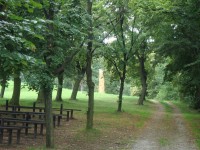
column 121, row 51
column 181, row 46
column 148, row 14
column 143, row 73
column 13, row 43
column 90, row 83
column 59, row 88
column 3, row 86
column 61, row 30
column 40, row 98
column 81, row 69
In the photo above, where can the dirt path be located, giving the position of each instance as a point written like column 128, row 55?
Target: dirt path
column 166, row 131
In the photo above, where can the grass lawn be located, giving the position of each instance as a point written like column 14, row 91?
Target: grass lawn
column 193, row 119
column 112, row 130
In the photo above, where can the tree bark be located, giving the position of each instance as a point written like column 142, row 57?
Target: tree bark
column 16, row 90
column 119, row 109
column 40, row 98
column 143, row 79
column 80, row 76
column 196, row 101
column 76, row 87
column 121, row 90
column 47, row 92
column 90, row 84
column 46, row 87
column 122, row 80
column 60, row 87
column 3, row 87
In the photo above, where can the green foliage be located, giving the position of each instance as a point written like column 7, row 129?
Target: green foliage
column 176, row 39
column 38, row 75
column 15, row 44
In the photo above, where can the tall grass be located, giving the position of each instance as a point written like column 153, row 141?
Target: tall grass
column 193, row 118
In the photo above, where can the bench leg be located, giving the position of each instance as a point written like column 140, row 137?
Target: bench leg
column 1, row 135
column 26, row 129
column 72, row 114
column 59, row 118
column 18, row 135
column 67, row 115
column 40, row 116
column 35, row 130
column 54, row 121
column 41, row 129
column 10, row 136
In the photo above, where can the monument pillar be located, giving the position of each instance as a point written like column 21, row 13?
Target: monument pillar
column 101, row 81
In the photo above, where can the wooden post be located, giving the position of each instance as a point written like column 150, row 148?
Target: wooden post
column 34, row 103
column 6, row 104
column 61, row 109
column 9, row 136
column 1, row 135
column 18, row 135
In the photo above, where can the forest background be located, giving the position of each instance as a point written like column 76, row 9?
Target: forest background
column 150, row 46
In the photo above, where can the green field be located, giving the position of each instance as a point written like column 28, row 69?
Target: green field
column 123, row 126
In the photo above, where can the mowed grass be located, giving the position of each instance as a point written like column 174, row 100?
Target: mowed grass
column 112, row 130
column 193, row 119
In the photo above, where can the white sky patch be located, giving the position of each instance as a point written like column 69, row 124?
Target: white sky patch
column 150, row 40
column 109, row 40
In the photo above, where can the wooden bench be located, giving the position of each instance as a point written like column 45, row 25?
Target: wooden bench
column 69, row 115
column 26, row 124
column 25, row 115
column 10, row 133
column 70, row 112
column 18, row 108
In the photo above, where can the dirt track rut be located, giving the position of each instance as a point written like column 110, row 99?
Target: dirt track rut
column 165, row 131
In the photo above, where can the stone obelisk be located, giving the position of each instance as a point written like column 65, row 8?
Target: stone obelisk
column 101, row 82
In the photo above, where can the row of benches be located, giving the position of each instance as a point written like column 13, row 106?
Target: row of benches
column 42, row 109
column 5, row 122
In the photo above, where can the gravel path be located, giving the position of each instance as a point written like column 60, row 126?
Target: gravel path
column 165, row 131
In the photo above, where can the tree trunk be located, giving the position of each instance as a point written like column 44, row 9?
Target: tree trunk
column 3, row 87
column 90, row 83
column 121, row 94
column 60, row 87
column 75, row 88
column 196, row 101
column 40, row 98
column 47, row 92
column 80, row 76
column 143, row 78
column 122, row 80
column 16, row 90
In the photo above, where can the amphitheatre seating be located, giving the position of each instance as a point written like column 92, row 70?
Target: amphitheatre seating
column 69, row 115
column 16, row 119
column 68, row 110
column 10, row 133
